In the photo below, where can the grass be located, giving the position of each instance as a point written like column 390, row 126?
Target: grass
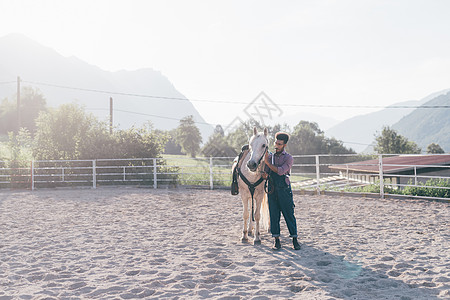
column 196, row 171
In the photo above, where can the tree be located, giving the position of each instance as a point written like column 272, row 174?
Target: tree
column 434, row 149
column 64, row 133
column 335, row 146
column 69, row 133
column 272, row 130
column 188, row 136
column 241, row 135
column 172, row 146
column 143, row 142
column 31, row 103
column 389, row 141
column 308, row 138
column 217, row 146
column 8, row 117
column 19, row 146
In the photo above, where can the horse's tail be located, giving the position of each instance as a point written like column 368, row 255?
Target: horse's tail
column 265, row 217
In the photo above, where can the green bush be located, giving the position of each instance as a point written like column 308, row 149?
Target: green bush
column 435, row 191
column 431, row 188
column 373, row 188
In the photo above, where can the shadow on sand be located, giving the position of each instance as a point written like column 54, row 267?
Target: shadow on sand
column 344, row 277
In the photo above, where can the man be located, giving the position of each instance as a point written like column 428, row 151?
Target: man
column 278, row 168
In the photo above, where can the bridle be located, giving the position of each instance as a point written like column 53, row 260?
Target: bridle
column 262, row 156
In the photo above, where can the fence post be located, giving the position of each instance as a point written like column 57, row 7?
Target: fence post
column 155, row 181
column 318, row 174
column 380, row 167
column 94, row 174
column 415, row 175
column 348, row 179
column 211, row 181
column 32, row 175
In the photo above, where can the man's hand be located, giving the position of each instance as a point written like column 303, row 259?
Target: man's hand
column 269, row 164
column 264, row 175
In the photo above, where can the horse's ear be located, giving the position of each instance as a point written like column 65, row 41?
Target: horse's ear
column 255, row 131
column 266, row 132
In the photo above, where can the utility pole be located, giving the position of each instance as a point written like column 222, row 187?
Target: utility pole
column 110, row 115
column 18, row 104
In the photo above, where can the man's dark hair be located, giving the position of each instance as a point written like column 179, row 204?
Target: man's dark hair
column 282, row 136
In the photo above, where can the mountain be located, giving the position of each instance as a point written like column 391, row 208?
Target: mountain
column 428, row 125
column 68, row 79
column 359, row 132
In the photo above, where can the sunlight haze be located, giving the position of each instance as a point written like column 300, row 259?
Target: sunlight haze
column 297, row 52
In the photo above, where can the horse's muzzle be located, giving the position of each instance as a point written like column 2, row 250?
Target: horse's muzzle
column 252, row 166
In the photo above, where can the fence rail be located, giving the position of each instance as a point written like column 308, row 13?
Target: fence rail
column 316, row 173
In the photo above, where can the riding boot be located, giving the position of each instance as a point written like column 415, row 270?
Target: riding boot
column 277, row 244
column 295, row 243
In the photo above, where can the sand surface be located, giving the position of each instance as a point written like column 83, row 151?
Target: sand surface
column 125, row 243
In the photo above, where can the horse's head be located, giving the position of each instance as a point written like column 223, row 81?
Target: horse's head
column 258, row 147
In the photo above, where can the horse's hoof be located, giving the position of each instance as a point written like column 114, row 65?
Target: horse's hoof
column 258, row 242
column 244, row 240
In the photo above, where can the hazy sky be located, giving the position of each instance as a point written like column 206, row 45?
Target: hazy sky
column 306, row 52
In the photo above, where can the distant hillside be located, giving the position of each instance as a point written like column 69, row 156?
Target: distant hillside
column 360, row 131
column 428, row 125
column 34, row 63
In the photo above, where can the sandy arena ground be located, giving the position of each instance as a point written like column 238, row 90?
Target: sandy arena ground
column 124, row 243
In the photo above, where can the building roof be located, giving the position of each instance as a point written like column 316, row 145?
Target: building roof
column 395, row 164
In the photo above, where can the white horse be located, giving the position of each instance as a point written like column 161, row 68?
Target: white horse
column 250, row 178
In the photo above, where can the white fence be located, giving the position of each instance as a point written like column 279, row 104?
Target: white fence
column 316, row 173
column 152, row 172
column 373, row 174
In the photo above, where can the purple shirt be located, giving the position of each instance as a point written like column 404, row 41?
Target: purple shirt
column 283, row 162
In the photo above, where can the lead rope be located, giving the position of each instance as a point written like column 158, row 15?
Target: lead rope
column 268, row 185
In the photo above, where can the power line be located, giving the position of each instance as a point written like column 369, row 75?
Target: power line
column 150, row 115
column 107, row 92
column 225, row 102
column 367, row 106
column 218, row 101
column 176, row 119
column 238, row 102
column 364, row 144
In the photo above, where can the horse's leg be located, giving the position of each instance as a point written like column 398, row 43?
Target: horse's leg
column 245, row 217
column 250, row 221
column 258, row 201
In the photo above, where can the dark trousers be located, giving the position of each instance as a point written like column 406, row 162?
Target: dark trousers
column 281, row 201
